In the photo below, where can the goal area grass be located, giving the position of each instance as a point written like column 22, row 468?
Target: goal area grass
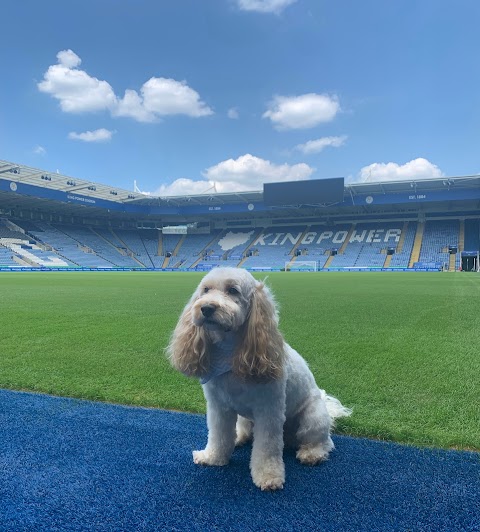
column 401, row 349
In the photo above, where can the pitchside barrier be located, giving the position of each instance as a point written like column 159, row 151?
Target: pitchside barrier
column 253, row 269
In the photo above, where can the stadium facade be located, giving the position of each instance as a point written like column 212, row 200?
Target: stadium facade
column 52, row 221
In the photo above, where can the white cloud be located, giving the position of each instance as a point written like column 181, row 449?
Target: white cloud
column 68, row 59
column 250, row 172
column 99, row 135
column 416, row 169
column 78, row 92
column 233, row 113
column 184, row 186
column 265, row 6
column 318, row 145
column 131, row 105
column 75, row 89
column 302, row 112
column 237, row 175
column 39, row 150
column 162, row 97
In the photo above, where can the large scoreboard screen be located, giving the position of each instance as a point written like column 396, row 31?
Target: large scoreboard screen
column 309, row 192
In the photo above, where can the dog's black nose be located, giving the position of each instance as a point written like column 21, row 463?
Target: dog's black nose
column 208, row 310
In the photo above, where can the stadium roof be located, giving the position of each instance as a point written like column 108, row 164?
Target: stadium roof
column 56, row 181
column 394, row 187
column 360, row 199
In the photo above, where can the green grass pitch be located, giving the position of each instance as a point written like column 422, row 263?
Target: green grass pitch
column 401, row 349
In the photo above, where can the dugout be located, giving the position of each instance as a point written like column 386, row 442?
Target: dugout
column 470, row 261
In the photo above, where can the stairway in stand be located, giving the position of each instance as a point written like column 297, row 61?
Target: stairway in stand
column 451, row 262
column 417, row 244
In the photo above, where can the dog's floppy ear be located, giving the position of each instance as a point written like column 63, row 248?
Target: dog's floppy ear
column 260, row 352
column 189, row 346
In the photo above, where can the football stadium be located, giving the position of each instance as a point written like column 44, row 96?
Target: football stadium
column 378, row 289
column 56, row 222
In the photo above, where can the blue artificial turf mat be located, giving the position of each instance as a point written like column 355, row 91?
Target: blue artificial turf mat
column 67, row 464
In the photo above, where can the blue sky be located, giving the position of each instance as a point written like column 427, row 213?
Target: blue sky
column 187, row 95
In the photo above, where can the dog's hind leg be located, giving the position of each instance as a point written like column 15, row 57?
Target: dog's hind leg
column 313, row 435
column 244, row 431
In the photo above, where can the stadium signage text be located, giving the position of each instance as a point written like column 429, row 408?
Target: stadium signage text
column 83, row 199
column 417, row 197
column 366, row 235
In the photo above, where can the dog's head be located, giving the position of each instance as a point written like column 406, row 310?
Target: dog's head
column 230, row 300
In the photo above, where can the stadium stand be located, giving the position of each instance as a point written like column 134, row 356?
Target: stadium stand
column 6, row 257
column 404, row 247
column 196, row 249
column 426, row 224
column 152, row 242
column 228, row 248
column 438, row 235
column 274, row 247
column 31, row 254
column 66, row 246
column 232, row 244
column 367, row 245
column 24, row 251
column 132, row 243
column 319, row 240
column 121, row 247
column 358, row 245
column 171, row 244
column 103, row 249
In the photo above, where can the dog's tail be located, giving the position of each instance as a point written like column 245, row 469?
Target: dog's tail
column 335, row 407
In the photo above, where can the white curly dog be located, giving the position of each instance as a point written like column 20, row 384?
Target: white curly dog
column 255, row 384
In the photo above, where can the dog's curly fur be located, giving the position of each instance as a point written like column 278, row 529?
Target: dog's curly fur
column 268, row 393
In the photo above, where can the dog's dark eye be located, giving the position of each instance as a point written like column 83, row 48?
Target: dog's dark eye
column 233, row 291
column 206, row 289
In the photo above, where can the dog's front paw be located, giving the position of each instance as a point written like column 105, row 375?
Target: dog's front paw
column 269, row 478
column 208, row 458
column 271, row 484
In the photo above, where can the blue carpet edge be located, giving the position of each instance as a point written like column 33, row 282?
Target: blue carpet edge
column 74, row 464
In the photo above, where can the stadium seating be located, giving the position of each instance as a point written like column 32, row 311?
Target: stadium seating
column 273, row 247
column 232, row 243
column 401, row 257
column 9, row 230
column 102, row 247
column 132, row 242
column 226, row 249
column 6, row 258
column 437, row 237
column 76, row 253
column 128, row 245
column 31, row 254
column 361, row 245
column 367, row 245
column 24, row 251
column 319, row 240
column 192, row 249
column 150, row 239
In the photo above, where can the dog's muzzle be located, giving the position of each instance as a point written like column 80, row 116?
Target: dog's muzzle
column 208, row 316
